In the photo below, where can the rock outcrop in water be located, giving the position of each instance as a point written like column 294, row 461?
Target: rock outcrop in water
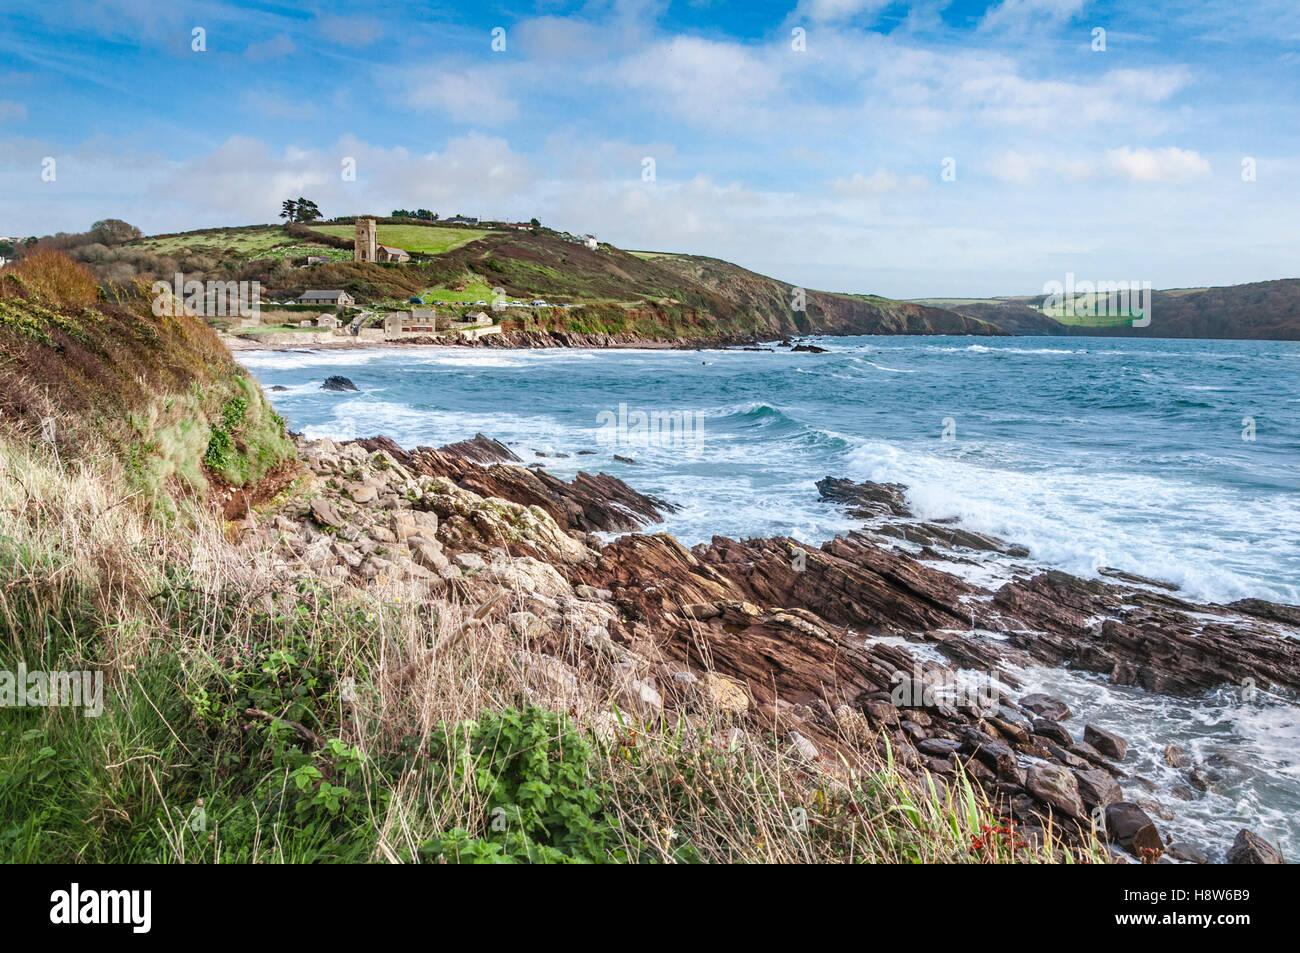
column 338, row 382
column 830, row 648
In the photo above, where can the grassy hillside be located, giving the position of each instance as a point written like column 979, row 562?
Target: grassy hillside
column 1264, row 310
column 647, row 294
column 163, row 393
column 428, row 239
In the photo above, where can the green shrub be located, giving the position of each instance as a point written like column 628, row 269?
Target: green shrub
column 533, row 773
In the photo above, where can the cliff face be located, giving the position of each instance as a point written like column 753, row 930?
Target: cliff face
column 88, row 371
column 1264, row 310
column 768, row 303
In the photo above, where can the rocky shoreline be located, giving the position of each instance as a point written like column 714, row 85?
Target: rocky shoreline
column 829, row 649
column 526, row 340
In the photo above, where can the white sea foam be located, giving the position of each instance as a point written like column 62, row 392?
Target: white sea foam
column 1081, row 521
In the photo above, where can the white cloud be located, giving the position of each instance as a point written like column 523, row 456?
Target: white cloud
column 1018, row 14
column 477, row 94
column 1169, row 164
column 829, row 11
column 701, row 80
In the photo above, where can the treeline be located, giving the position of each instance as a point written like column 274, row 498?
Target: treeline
column 106, row 250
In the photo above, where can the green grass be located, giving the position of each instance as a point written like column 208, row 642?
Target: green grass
column 247, row 242
column 1111, row 320
column 305, row 251
column 276, row 329
column 428, row 239
column 473, row 291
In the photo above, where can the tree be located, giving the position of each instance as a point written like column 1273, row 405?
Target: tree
column 535, row 223
column 114, row 231
column 307, row 210
column 289, row 210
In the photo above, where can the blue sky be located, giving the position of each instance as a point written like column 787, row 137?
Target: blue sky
column 819, row 165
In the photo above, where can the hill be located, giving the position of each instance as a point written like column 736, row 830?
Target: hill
column 161, row 394
column 1262, row 310
column 655, row 296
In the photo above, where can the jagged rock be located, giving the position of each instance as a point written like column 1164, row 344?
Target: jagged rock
column 550, row 676
column 362, row 493
column 1050, row 729
column 337, row 382
column 1108, row 743
column 1130, row 827
column 938, row 747
column 724, row 694
column 801, row 749
column 469, row 561
column 1056, row 787
column 640, row 697
column 587, row 503
column 408, row 523
column 428, row 553
column 1176, row 757
column 481, row 449
column 866, row 499
column 1097, row 788
column 1144, row 638
column 1250, row 848
column 325, row 514
column 1088, row 753
column 1046, row 706
column 528, row 575
column 1188, row 853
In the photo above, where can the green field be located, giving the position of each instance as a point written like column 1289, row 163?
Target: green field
column 428, row 239
column 473, row 291
column 247, row 242
column 1093, row 320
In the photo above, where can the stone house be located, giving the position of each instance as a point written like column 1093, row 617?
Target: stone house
column 415, row 321
column 337, row 298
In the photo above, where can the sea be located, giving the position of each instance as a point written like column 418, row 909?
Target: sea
column 1177, row 460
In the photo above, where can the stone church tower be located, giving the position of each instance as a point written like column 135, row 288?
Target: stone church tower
column 365, row 243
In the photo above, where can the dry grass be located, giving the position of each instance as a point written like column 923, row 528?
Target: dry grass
column 168, row 613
